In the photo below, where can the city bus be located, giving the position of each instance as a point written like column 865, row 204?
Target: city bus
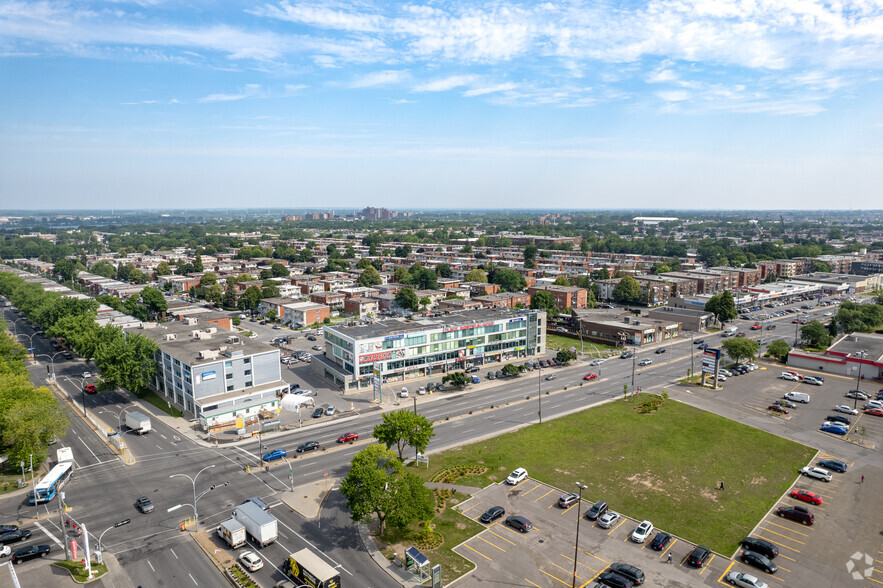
column 46, row 488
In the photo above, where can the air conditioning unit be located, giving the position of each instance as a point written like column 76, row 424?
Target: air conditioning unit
column 169, row 337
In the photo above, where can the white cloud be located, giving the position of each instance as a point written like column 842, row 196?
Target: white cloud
column 379, row 78
column 248, row 91
column 490, row 89
column 445, row 84
column 673, row 95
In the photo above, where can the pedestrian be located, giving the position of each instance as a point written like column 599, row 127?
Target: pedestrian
column 669, row 557
column 863, row 478
column 722, row 485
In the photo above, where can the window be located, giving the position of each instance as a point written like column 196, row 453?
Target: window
column 229, row 376
column 247, row 360
column 230, row 388
column 247, row 372
column 248, row 384
column 228, row 364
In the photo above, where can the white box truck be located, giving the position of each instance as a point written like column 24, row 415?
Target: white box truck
column 258, row 524
column 138, row 422
column 233, row 532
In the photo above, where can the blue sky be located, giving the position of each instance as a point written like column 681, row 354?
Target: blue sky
column 662, row 104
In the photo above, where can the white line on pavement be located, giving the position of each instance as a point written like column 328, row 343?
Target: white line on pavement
column 151, row 566
column 51, row 536
column 87, row 447
column 192, row 578
column 175, row 554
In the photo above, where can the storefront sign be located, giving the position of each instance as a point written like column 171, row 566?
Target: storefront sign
column 208, row 375
column 372, row 357
column 464, row 327
column 394, row 337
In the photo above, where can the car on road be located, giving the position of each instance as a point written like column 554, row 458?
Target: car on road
column 476, row 380
column 745, row 580
column 608, row 519
column 307, row 446
column 698, row 556
column 596, row 362
column 635, row 575
column 8, row 528
column 760, row 546
column 626, row 355
column 777, row 408
column 274, row 455
column 29, row 552
column 471, row 370
column 845, row 409
column 642, row 531
column 660, row 541
column 796, row 513
column 251, row 561
column 759, row 561
column 590, row 376
column 834, row 429
column 568, row 500
column 550, row 377
column 13, row 536
column 330, row 410
column 703, row 346
column 348, row 438
column 144, row 504
column 660, row 350
column 492, row 514
column 856, row 394
column 316, row 348
column 806, row 496
column 596, row 510
column 519, row 523
column 517, row 476
column 698, row 341
column 90, row 389
column 817, row 473
column 874, row 411
column 68, row 355
column 644, row 362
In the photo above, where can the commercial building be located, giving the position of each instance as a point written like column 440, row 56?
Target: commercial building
column 626, row 330
column 401, row 350
column 213, row 375
column 856, row 355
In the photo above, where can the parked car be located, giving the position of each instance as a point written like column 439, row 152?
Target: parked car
column 834, row 464
column 760, row 546
column 834, row 429
column 660, row 541
column 873, row 411
column 630, row 572
column 568, row 500
column 330, row 410
column 491, row 376
column 817, row 473
column 786, row 403
column 796, row 513
column 614, row 580
column 492, row 514
column 5, row 550
column 874, row 404
column 836, row 418
column 609, row 519
column 476, row 380
column 312, row 338
column 856, row 394
column 90, row 389
column 642, row 531
column 596, row 510
column 698, row 556
column 251, row 561
column 596, row 362
column 348, row 438
column 777, row 408
column 144, row 504
column 519, row 523
column 30, row 552
column 307, row 446
column 274, row 455
column 845, row 409
column 788, row 376
column 759, row 561
column 812, row 380
column 806, row 496
column 745, row 580
column 517, row 476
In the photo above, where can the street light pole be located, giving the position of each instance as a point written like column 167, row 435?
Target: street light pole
column 576, row 545
column 858, row 380
column 113, row 526
column 540, row 392
column 193, row 482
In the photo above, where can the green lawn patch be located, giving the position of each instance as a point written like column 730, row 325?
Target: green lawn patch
column 78, row 570
column 664, row 466
column 558, row 342
column 159, row 402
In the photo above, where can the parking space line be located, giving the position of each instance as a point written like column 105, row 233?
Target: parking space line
column 478, row 552
column 724, row 575
column 873, row 580
column 529, row 582
column 570, row 559
column 491, row 544
column 789, row 528
column 589, row 553
column 544, row 495
column 562, row 569
column 617, row 526
column 780, row 535
column 553, row 577
column 664, row 551
column 501, row 537
column 531, row 490
column 566, row 510
column 708, row 565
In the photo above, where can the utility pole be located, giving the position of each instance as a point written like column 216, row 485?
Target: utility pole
column 416, row 452
column 692, row 354
column 540, row 392
column 634, row 362
column 67, row 553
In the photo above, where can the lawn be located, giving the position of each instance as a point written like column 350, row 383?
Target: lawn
column 557, row 342
column 161, row 403
column 665, row 466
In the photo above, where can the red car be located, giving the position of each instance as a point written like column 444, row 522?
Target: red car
column 805, row 496
column 590, row 376
column 90, row 389
column 756, row 327
column 348, row 438
column 874, row 411
column 740, row 334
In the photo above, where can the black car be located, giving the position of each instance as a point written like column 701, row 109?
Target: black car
column 660, row 541
column 596, row 510
column 492, row 514
column 144, row 505
column 759, row 561
column 627, row 571
column 836, row 418
column 308, row 446
column 796, row 513
column 626, row 354
column 833, row 464
column 698, row 556
column 471, row 370
column 8, row 529
column 614, row 580
column 660, row 350
column 698, row 341
column 30, row 552
column 311, row 338
column 318, row 412
column 760, row 546
column 13, row 536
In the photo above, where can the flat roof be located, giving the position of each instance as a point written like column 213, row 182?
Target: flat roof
column 187, row 348
column 395, row 326
column 853, row 344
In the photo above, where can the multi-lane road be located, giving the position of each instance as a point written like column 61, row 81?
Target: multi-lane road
column 153, row 550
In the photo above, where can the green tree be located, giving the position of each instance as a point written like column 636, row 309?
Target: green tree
column 815, row 334
column 279, row 270
column 628, row 290
column 456, row 379
column 208, row 279
column 424, row 302
column 476, row 275
column 67, row 269
column 722, row 306
column 154, row 301
column 778, row 349
column 163, row 269
column 250, row 299
column 510, row 370
column 739, row 348
column 561, row 281
column 104, row 268
column 545, row 301
column 444, row 270
column 197, row 264
column 565, row 356
column 509, row 280
column 584, row 246
column 407, row 299
column 661, row 269
column 378, row 485
column 370, row 277
column 401, row 275
column 401, row 428
column 230, row 300
column 363, row 263
column 424, row 279
column 270, row 290
column 28, row 421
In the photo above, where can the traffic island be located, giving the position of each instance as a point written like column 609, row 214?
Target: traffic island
column 78, row 572
column 307, row 500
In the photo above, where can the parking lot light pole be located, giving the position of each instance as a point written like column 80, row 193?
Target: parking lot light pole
column 579, row 502
column 858, row 380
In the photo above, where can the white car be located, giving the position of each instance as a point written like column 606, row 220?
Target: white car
column 642, row 531
column 609, row 519
column 845, row 409
column 251, row 561
column 5, row 550
column 517, row 476
column 812, row 380
column 421, row 390
column 745, row 580
column 789, row 376
column 721, row 378
column 403, row 393
column 597, row 362
column 874, row 404
column 645, row 362
column 835, row 424
column 817, row 473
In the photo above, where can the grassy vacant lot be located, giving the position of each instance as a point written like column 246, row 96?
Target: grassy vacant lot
column 557, row 342
column 664, row 466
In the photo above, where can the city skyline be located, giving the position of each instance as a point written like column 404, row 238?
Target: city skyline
column 580, row 106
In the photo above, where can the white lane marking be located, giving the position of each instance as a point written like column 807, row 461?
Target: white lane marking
column 151, row 566
column 158, row 447
column 175, row 554
column 192, row 578
column 163, row 436
column 87, row 447
column 51, row 536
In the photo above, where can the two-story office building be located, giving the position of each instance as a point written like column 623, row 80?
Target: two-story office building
column 215, row 376
column 406, row 349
